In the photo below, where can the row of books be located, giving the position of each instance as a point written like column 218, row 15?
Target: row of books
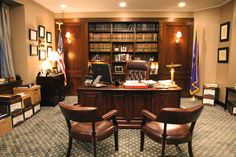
column 146, row 47
column 123, row 27
column 100, row 47
column 99, row 36
column 151, row 37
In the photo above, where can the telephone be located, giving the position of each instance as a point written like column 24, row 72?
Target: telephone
column 95, row 82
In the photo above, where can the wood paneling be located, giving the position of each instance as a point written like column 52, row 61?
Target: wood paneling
column 177, row 53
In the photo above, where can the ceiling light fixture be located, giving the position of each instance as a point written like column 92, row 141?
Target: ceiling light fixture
column 182, row 4
column 122, row 4
column 63, row 6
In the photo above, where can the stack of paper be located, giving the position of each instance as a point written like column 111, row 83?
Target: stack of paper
column 134, row 84
column 214, row 85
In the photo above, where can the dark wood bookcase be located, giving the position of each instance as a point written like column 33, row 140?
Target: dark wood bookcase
column 118, row 42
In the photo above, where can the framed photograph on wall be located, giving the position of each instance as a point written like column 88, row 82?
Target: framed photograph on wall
column 41, row 31
column 223, row 55
column 49, row 50
column 49, row 37
column 32, row 35
column 224, row 31
column 33, row 50
column 119, row 69
column 42, row 55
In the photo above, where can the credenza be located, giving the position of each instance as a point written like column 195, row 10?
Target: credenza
column 129, row 102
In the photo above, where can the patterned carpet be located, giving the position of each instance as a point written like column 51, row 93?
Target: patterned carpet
column 45, row 134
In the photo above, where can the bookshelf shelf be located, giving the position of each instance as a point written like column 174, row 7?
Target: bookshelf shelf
column 118, row 42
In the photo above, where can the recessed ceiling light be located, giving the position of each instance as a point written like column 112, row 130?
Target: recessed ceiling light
column 182, row 4
column 122, row 4
column 63, row 6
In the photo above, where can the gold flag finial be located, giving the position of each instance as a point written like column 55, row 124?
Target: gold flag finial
column 59, row 25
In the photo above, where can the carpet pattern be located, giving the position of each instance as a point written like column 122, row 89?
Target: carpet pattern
column 45, row 134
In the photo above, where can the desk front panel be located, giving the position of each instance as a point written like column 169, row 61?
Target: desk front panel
column 129, row 103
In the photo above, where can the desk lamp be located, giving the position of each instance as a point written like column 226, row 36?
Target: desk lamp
column 172, row 71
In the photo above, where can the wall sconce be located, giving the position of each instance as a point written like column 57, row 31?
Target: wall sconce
column 68, row 36
column 178, row 36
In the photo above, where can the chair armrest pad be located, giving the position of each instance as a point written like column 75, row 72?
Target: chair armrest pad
column 110, row 114
column 149, row 115
column 77, row 105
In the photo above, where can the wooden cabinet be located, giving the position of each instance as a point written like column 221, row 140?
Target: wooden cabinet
column 129, row 102
column 7, row 88
column 230, row 102
column 118, row 42
column 52, row 89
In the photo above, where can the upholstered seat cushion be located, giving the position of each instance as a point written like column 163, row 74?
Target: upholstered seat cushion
column 175, row 133
column 83, row 131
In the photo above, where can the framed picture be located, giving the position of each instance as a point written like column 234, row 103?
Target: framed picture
column 223, row 55
column 49, row 37
column 49, row 49
column 42, row 55
column 32, row 35
column 224, row 31
column 41, row 31
column 119, row 69
column 33, row 50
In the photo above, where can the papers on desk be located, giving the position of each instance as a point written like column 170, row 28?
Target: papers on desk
column 134, row 84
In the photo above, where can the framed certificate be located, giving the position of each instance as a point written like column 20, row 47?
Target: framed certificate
column 224, row 31
column 41, row 30
column 223, row 55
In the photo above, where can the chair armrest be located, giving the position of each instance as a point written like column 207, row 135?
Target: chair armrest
column 110, row 114
column 149, row 115
column 77, row 105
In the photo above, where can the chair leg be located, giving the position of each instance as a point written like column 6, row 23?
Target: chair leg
column 163, row 147
column 69, row 147
column 94, row 141
column 116, row 140
column 190, row 150
column 142, row 140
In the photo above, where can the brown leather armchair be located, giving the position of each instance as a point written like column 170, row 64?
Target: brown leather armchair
column 137, row 70
column 170, row 126
column 87, row 124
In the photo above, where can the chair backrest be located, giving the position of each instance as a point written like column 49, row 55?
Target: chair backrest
column 80, row 114
column 137, row 70
column 179, row 115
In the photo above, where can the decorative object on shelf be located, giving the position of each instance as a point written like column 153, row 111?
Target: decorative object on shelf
column 223, row 55
column 33, row 35
column 224, row 31
column 42, row 55
column 116, row 49
column 33, row 50
column 154, row 68
column 68, row 37
column 49, row 37
column 41, row 31
column 123, row 48
column 178, row 37
column 172, row 70
column 119, row 69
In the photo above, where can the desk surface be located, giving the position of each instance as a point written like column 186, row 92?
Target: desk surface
column 122, row 88
column 129, row 102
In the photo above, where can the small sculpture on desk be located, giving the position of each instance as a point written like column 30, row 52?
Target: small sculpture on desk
column 172, row 71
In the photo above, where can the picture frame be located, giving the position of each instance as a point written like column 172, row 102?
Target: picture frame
column 223, row 55
column 49, row 37
column 41, row 30
column 49, row 50
column 33, row 35
column 224, row 31
column 119, row 69
column 33, row 50
column 42, row 55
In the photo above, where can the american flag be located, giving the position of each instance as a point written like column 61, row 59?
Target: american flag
column 60, row 60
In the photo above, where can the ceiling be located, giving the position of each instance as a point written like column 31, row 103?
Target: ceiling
column 132, row 5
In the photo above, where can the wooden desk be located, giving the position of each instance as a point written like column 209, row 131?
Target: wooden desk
column 129, row 102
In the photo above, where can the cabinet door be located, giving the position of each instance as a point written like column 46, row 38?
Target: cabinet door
column 164, row 99
column 95, row 99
